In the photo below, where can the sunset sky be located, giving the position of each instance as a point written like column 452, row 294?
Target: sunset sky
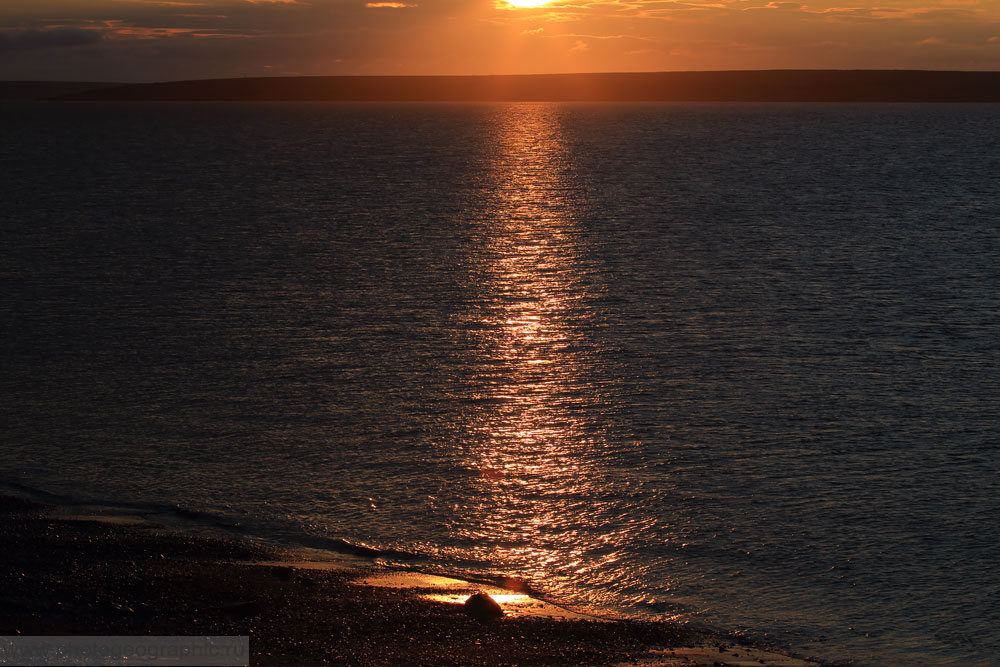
column 155, row 40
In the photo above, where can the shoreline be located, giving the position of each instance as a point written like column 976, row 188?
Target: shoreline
column 70, row 574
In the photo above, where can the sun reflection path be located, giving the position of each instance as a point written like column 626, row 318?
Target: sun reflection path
column 541, row 429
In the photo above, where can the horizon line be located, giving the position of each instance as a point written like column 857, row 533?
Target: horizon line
column 532, row 74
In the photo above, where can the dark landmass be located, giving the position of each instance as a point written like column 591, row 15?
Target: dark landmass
column 23, row 91
column 70, row 577
column 722, row 86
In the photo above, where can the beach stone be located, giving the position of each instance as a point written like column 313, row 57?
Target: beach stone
column 482, row 607
column 107, row 606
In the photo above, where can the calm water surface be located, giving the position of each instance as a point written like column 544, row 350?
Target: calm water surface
column 730, row 364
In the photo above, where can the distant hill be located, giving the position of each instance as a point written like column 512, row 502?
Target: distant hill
column 719, row 86
column 11, row 91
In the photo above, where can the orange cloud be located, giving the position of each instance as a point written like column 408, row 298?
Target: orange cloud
column 168, row 3
column 119, row 30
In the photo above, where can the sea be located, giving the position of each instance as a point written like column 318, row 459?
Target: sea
column 729, row 365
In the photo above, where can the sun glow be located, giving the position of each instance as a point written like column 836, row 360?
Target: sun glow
column 526, row 4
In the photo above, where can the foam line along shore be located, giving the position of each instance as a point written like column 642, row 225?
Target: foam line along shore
column 73, row 574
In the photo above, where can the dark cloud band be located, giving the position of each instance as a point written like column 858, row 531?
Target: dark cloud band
column 13, row 41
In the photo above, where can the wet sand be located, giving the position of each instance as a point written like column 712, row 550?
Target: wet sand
column 69, row 575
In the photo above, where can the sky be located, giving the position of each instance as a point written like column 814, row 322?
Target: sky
column 158, row 40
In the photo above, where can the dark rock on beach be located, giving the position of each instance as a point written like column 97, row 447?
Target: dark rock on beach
column 482, row 607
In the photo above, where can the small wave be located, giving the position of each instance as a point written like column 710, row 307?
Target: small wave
column 220, row 525
column 343, row 546
column 147, row 510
